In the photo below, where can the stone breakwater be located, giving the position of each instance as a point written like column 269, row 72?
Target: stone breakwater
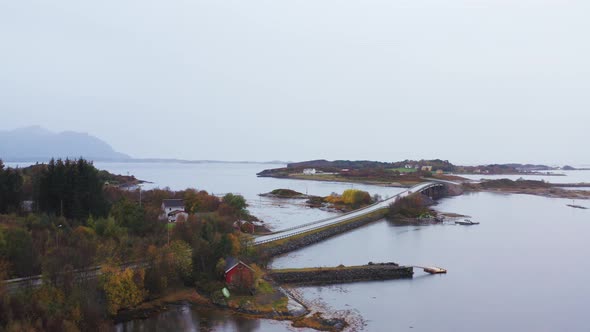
column 302, row 240
column 343, row 274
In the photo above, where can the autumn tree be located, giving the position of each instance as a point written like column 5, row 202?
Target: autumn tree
column 200, row 201
column 183, row 264
column 19, row 252
column 129, row 214
column 159, row 271
column 123, row 289
column 356, row 198
column 234, row 205
column 411, row 206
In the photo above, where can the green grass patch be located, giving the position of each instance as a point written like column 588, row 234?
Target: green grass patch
column 264, row 287
column 403, row 170
column 281, row 304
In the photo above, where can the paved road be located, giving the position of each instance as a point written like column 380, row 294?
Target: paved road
column 342, row 218
column 12, row 285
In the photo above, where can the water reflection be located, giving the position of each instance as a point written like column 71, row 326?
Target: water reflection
column 185, row 318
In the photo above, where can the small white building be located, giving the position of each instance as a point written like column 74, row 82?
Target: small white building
column 27, row 206
column 309, row 171
column 172, row 209
column 427, row 168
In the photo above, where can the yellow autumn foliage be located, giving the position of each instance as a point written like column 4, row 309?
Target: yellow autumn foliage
column 123, row 289
column 235, row 244
column 355, row 197
column 333, row 199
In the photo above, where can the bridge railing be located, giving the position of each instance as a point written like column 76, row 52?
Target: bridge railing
column 327, row 219
column 306, row 230
column 339, row 219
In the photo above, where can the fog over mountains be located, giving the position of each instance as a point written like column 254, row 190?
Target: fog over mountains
column 39, row 144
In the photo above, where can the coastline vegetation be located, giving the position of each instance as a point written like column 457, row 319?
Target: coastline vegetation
column 529, row 187
column 350, row 199
column 399, row 173
column 284, row 193
column 100, row 250
column 412, row 206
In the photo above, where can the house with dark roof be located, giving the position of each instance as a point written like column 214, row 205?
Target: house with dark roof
column 238, row 274
column 172, row 209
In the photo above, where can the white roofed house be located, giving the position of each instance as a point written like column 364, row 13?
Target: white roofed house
column 309, row 171
column 172, row 209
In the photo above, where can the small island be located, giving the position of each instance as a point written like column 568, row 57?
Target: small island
column 530, row 187
column 285, row 193
column 350, row 199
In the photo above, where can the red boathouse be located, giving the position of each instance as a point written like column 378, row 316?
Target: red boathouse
column 238, row 274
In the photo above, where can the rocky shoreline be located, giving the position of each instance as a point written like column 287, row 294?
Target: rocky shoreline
column 551, row 192
column 342, row 274
column 315, row 236
column 297, row 312
column 346, row 180
column 285, row 194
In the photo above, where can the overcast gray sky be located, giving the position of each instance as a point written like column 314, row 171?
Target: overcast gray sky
column 469, row 81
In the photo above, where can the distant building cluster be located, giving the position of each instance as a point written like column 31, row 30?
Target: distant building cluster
column 309, row 171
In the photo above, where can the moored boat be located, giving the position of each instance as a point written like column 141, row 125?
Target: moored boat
column 435, row 270
column 466, row 222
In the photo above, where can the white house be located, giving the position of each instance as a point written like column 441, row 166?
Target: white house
column 172, row 208
column 309, row 171
column 27, row 206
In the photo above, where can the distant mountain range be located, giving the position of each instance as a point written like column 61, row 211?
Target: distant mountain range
column 39, row 144
column 36, row 143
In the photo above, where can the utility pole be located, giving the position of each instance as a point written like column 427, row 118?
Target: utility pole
column 57, row 235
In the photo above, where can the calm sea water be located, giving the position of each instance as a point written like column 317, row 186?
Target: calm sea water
column 184, row 318
column 222, row 178
column 556, row 177
column 524, row 268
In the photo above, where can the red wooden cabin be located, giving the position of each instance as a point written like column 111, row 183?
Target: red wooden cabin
column 238, row 274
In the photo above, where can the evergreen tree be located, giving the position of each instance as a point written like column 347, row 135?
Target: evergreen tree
column 71, row 189
column 11, row 185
